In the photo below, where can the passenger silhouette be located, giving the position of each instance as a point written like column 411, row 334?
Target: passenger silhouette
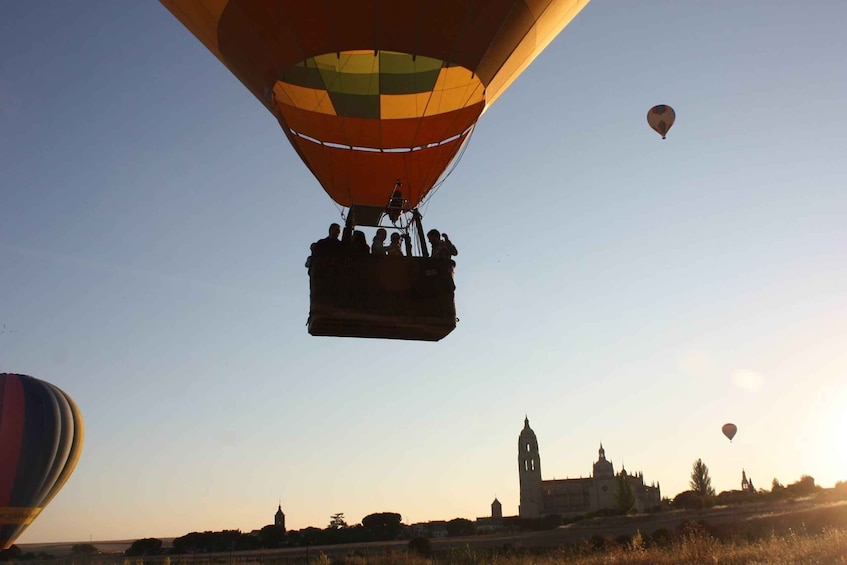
column 330, row 245
column 441, row 249
column 394, row 247
column 358, row 244
column 378, row 246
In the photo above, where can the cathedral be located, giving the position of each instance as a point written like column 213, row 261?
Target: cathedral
column 573, row 496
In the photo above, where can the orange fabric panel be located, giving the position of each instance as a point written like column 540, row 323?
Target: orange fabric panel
column 270, row 24
column 324, row 127
column 245, row 54
column 386, row 134
column 431, row 129
column 309, row 22
column 397, row 24
column 333, row 129
column 442, row 23
column 367, row 178
column 352, row 24
column 512, row 31
column 472, row 43
column 537, row 7
column 557, row 15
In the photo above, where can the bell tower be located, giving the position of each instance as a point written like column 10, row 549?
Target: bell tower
column 279, row 518
column 529, row 471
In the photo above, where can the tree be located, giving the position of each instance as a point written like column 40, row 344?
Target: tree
column 690, row 500
column 83, row 549
column 336, row 521
column 624, row 495
column 701, row 482
column 460, row 527
column 383, row 525
column 271, row 536
column 146, row 546
column 803, row 487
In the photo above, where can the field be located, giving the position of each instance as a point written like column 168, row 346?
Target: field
column 785, row 532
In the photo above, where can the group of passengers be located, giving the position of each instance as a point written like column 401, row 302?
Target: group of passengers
column 354, row 244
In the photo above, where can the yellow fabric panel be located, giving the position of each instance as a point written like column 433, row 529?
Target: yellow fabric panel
column 454, row 77
column 281, row 95
column 558, row 15
column 353, row 62
column 201, row 19
column 398, row 106
column 455, row 98
column 18, row 515
column 305, row 98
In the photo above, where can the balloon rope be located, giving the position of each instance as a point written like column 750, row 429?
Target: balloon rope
column 453, row 166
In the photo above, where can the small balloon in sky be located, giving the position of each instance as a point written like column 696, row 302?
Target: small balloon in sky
column 661, row 118
column 729, row 430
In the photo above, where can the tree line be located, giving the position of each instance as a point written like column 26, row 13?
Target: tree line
column 701, row 494
column 387, row 526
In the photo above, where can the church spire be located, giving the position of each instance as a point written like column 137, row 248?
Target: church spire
column 279, row 518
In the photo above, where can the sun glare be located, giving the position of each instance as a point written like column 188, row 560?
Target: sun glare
column 831, row 442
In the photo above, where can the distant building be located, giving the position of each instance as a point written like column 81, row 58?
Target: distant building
column 493, row 523
column 279, row 519
column 572, row 496
column 496, row 509
column 746, row 484
column 433, row 529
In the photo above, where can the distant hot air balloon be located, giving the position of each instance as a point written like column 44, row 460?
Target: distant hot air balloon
column 729, row 430
column 661, row 118
column 41, row 434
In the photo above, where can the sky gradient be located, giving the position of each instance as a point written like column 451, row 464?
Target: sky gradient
column 611, row 286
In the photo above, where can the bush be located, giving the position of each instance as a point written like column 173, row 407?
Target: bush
column 421, row 546
column 692, row 500
column 83, row 549
column 662, row 537
column 142, row 547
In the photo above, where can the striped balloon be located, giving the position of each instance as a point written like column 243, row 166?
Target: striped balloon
column 41, row 435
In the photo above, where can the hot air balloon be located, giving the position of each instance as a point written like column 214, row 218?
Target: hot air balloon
column 377, row 99
column 661, row 118
column 41, row 434
column 729, row 430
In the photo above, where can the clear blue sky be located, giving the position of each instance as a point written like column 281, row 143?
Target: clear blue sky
column 612, row 286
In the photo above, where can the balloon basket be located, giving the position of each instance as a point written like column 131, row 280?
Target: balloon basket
column 410, row 298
